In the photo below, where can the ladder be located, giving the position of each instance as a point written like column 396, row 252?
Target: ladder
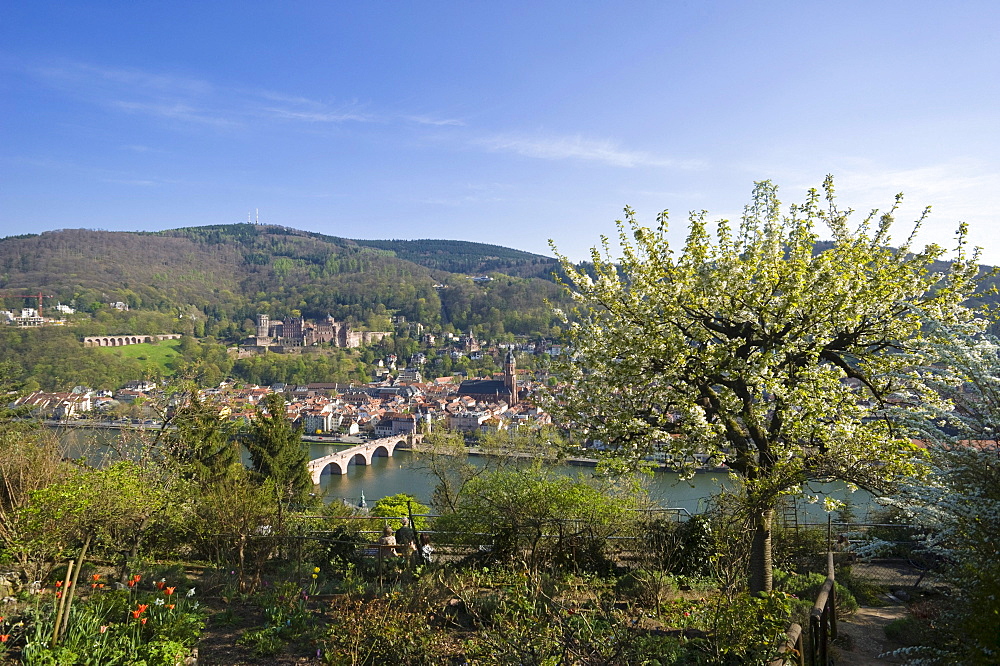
column 788, row 510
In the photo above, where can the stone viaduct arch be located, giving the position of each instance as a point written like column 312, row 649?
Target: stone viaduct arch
column 362, row 454
column 122, row 340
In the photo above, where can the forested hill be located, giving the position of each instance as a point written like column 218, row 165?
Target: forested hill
column 466, row 257
column 223, row 275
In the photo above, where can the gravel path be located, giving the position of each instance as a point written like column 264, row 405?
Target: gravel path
column 866, row 630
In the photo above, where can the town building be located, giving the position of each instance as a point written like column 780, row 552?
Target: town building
column 494, row 390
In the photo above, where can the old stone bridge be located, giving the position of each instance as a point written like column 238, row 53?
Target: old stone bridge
column 361, row 454
column 122, row 340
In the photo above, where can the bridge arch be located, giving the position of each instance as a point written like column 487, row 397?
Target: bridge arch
column 361, row 454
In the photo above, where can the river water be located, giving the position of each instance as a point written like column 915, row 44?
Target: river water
column 404, row 473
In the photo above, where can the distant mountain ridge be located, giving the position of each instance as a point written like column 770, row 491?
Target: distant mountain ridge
column 233, row 271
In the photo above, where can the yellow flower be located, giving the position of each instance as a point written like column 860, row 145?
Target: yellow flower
column 316, row 570
column 315, row 576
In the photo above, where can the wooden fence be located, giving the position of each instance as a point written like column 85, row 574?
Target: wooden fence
column 814, row 649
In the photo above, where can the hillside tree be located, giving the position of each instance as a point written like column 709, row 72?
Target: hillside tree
column 774, row 353
column 203, row 441
column 277, row 456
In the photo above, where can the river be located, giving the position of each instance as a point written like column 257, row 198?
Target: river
column 404, row 473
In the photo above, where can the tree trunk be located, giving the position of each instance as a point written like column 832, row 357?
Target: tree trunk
column 760, row 553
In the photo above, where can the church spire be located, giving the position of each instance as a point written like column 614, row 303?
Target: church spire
column 510, row 376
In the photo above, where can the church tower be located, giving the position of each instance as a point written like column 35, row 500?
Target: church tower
column 510, row 376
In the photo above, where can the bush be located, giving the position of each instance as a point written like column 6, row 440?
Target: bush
column 807, row 587
column 401, row 505
column 538, row 518
column 797, row 548
column 906, row 630
column 648, row 588
column 684, row 548
column 865, row 591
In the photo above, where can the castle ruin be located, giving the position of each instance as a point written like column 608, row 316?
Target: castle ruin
column 298, row 332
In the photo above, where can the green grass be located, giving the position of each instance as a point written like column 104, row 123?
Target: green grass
column 159, row 355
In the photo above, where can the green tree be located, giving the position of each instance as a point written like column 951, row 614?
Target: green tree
column 540, row 515
column 277, row 454
column 401, row 505
column 444, row 456
column 30, row 459
column 116, row 508
column 763, row 347
column 204, row 442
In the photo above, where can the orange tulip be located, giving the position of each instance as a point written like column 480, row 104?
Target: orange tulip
column 95, row 577
column 59, row 583
column 170, row 590
column 136, row 614
column 4, row 637
column 58, row 595
column 104, row 628
column 142, row 607
column 160, row 585
column 144, row 620
column 170, row 606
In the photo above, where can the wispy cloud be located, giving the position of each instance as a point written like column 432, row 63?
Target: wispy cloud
column 189, row 100
column 319, row 116
column 75, row 74
column 438, row 122
column 175, row 111
column 957, row 191
column 132, row 181
column 577, row 148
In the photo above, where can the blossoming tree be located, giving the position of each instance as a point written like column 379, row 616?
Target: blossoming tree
column 762, row 346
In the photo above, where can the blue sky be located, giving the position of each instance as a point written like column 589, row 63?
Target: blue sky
column 499, row 122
